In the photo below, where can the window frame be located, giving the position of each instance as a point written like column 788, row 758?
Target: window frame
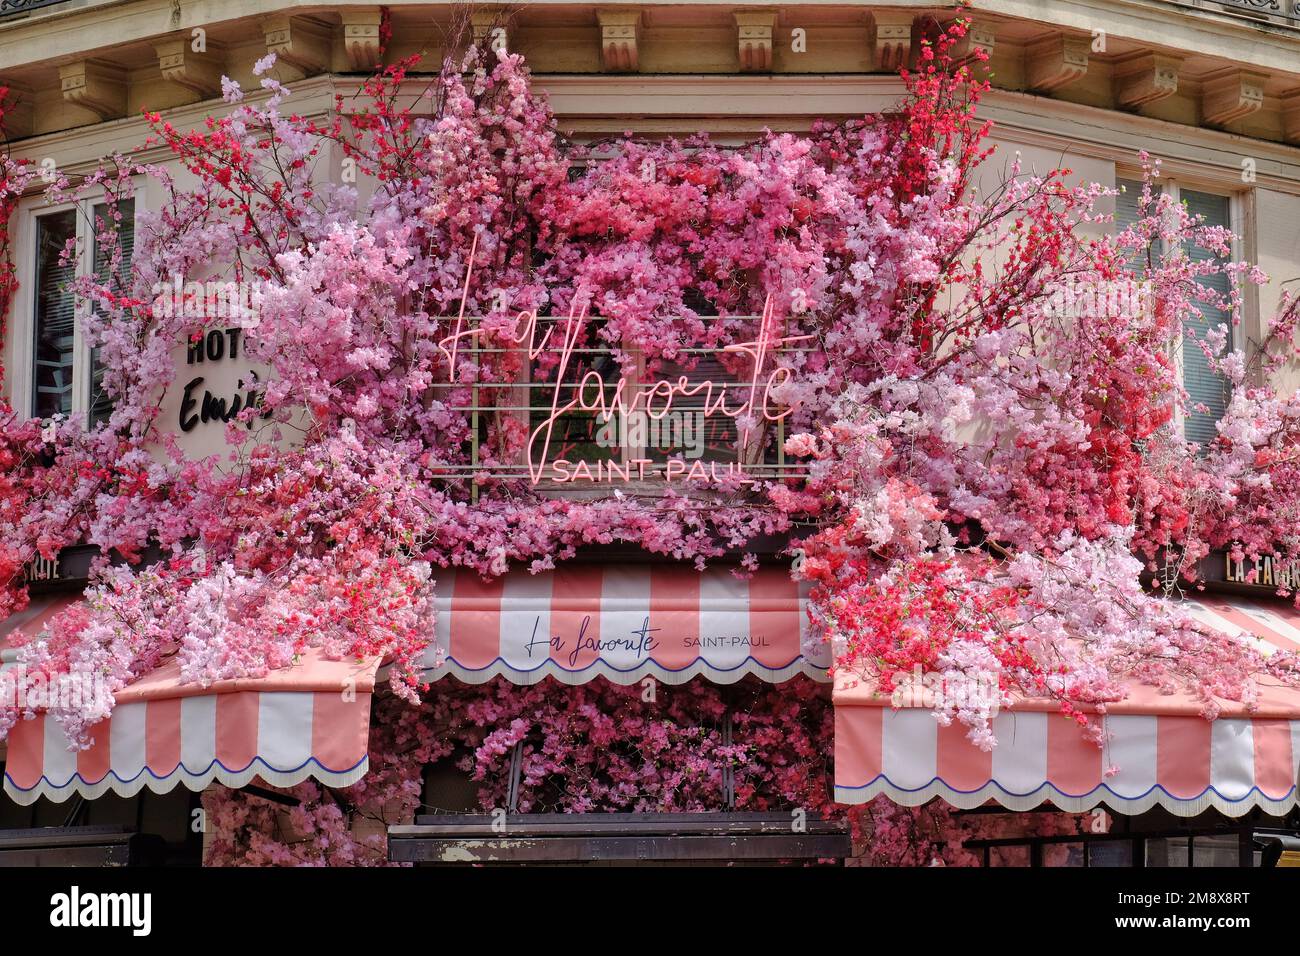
column 24, row 321
column 1238, row 200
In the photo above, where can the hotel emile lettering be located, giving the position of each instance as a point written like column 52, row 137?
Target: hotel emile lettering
column 198, row 404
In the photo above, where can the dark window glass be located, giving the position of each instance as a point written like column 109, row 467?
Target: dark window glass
column 1127, row 210
column 1110, row 853
column 55, row 316
column 579, row 434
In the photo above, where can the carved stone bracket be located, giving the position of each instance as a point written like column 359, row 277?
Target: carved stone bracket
column 298, row 42
column 891, row 35
column 94, row 85
column 361, row 37
column 980, row 37
column 200, row 73
column 1231, row 97
column 754, row 35
column 1150, row 77
column 1056, row 62
column 619, row 32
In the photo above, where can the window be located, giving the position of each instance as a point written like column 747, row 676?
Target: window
column 66, row 377
column 1204, row 386
column 53, row 363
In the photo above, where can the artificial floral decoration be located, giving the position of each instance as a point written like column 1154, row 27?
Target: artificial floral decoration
column 595, row 747
column 987, row 474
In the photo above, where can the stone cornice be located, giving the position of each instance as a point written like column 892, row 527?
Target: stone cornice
column 71, row 30
column 602, row 103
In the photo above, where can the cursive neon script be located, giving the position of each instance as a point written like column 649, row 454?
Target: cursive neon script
column 735, row 400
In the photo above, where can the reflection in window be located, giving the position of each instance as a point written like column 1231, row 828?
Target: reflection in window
column 1063, row 854
column 577, row 435
column 685, row 430
column 1017, row 855
column 1216, row 850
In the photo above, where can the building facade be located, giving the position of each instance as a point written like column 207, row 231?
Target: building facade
column 1211, row 89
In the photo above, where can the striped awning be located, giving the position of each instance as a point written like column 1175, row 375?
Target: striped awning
column 1158, row 751
column 624, row 623
column 311, row 719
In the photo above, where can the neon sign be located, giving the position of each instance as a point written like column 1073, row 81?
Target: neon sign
column 742, row 402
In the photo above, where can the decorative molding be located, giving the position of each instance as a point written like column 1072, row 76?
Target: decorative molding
column 980, row 37
column 361, row 36
column 1056, row 62
column 891, row 38
column 619, row 32
column 298, row 42
column 200, row 73
column 754, row 34
column 1149, row 77
column 94, row 85
column 20, row 111
column 1231, row 97
column 1284, row 9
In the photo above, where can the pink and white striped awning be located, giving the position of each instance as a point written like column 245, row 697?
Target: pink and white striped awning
column 308, row 720
column 624, row 623
column 1165, row 752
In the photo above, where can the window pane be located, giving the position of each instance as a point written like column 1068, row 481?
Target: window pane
column 101, row 405
column 685, row 430
column 1110, row 853
column 1216, row 850
column 577, row 435
column 1009, row 856
column 55, row 314
column 1126, row 214
column 449, row 785
column 1063, row 854
column 1171, row 851
column 1205, row 387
